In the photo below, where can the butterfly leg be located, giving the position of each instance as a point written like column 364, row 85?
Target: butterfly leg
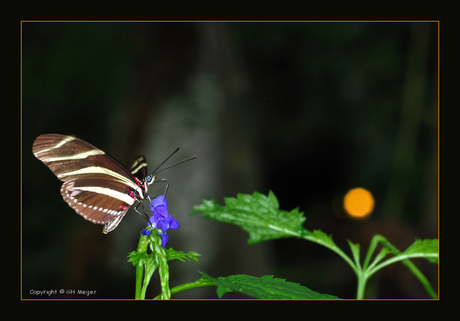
column 164, row 180
column 143, row 214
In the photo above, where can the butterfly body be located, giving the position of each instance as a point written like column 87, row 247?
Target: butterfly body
column 96, row 185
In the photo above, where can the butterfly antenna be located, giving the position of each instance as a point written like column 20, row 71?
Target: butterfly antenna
column 156, row 171
column 182, row 161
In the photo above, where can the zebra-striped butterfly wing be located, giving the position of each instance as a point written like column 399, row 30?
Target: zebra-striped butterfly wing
column 96, row 186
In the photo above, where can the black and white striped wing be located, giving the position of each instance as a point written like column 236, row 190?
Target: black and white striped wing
column 98, row 200
column 95, row 185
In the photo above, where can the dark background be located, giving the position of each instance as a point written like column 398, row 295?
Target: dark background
column 308, row 110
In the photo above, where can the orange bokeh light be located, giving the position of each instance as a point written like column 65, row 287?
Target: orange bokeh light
column 358, row 202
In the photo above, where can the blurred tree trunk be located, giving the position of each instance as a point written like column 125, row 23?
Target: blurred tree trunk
column 207, row 118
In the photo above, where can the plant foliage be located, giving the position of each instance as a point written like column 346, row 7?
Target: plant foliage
column 260, row 216
column 257, row 214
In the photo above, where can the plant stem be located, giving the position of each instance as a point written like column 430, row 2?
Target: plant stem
column 139, row 272
column 336, row 249
column 163, row 270
column 362, row 279
column 141, row 248
column 144, row 286
column 201, row 282
column 418, row 274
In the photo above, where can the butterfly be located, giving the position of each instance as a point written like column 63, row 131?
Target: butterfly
column 96, row 186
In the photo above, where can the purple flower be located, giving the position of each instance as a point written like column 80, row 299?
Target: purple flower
column 161, row 219
column 146, row 232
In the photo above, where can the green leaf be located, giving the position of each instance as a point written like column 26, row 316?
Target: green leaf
column 136, row 257
column 420, row 248
column 423, row 248
column 257, row 214
column 355, row 250
column 172, row 254
column 265, row 287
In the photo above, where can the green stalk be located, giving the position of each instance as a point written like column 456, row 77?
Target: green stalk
column 139, row 272
column 163, row 268
column 201, row 282
column 334, row 248
column 141, row 248
column 362, row 279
